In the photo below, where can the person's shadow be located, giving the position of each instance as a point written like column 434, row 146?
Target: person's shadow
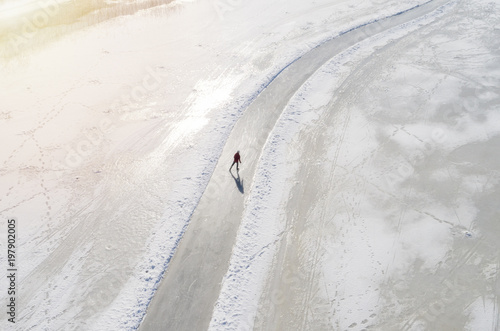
column 238, row 181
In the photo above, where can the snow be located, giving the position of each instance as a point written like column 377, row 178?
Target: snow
column 262, row 225
column 369, row 181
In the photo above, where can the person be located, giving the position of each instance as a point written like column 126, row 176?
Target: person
column 237, row 160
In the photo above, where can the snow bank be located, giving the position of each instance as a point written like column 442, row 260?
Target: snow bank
column 263, row 223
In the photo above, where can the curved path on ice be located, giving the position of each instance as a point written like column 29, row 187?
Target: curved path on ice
column 192, row 282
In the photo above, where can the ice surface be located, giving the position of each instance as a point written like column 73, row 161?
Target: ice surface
column 368, row 193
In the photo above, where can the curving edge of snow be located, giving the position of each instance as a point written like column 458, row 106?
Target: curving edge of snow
column 262, row 225
column 129, row 308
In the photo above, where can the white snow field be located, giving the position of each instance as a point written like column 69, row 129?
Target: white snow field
column 368, row 194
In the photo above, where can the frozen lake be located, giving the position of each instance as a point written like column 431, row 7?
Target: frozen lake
column 367, row 197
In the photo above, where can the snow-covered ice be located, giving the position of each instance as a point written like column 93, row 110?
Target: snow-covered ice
column 368, row 193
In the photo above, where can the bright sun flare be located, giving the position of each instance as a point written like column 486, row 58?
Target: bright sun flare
column 16, row 9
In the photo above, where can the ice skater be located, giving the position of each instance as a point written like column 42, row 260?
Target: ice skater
column 237, row 160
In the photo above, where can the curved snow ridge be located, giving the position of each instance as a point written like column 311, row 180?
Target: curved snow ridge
column 263, row 224
column 142, row 286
